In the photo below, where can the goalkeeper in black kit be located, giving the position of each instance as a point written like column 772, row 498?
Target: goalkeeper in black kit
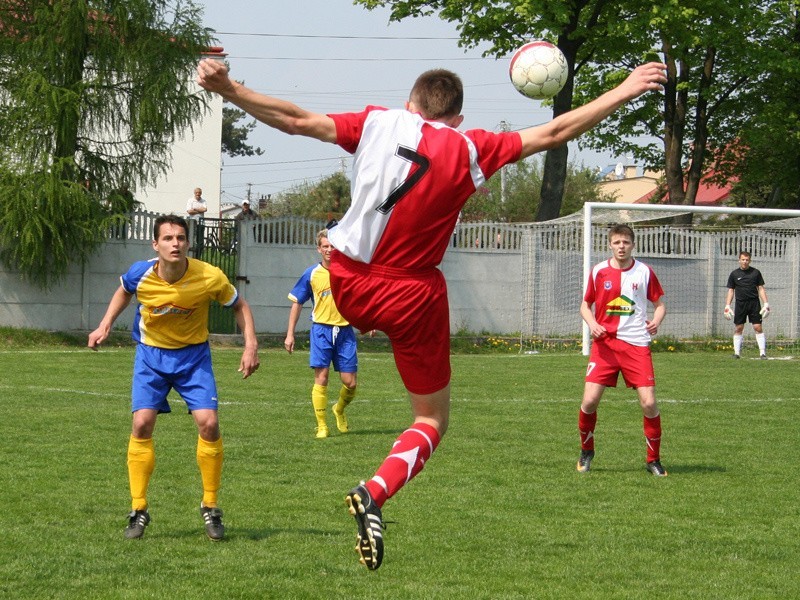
column 747, row 285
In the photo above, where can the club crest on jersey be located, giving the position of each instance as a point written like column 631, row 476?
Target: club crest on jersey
column 621, row 306
column 607, row 285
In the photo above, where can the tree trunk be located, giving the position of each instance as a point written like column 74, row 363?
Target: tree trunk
column 555, row 172
column 555, row 160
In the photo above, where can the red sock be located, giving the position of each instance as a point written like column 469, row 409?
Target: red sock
column 409, row 453
column 652, row 435
column 586, row 423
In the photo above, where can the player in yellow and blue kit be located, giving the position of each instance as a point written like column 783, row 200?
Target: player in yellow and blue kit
column 332, row 339
column 172, row 352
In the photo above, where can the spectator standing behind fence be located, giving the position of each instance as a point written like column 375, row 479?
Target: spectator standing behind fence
column 747, row 285
column 620, row 288
column 172, row 352
column 196, row 207
column 246, row 213
column 333, row 339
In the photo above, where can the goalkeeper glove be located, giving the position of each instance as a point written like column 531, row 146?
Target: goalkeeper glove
column 728, row 312
column 764, row 312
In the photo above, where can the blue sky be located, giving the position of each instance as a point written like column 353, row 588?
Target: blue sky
column 332, row 56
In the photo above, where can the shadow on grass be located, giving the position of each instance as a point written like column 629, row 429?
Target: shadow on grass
column 671, row 469
column 234, row 534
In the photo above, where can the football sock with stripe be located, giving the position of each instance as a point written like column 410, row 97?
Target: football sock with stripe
column 409, row 454
column 209, row 459
column 141, row 463
column 652, row 435
column 586, row 425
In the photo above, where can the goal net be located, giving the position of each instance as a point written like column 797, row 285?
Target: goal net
column 691, row 261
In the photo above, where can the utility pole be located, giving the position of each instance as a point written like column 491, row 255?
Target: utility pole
column 503, row 127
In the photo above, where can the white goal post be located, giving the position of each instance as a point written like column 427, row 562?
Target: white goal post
column 789, row 278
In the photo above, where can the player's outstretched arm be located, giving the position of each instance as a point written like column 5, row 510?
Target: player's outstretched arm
column 212, row 75
column 566, row 127
column 119, row 302
column 244, row 319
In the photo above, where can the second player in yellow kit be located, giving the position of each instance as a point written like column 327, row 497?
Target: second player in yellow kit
column 333, row 339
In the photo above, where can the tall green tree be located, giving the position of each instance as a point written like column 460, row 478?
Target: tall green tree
column 718, row 58
column 92, row 96
column 234, row 136
column 764, row 158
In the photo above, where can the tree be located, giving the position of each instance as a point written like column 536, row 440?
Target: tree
column 582, row 29
column 716, row 52
column 234, row 137
column 92, row 94
column 764, row 158
column 327, row 199
column 513, row 196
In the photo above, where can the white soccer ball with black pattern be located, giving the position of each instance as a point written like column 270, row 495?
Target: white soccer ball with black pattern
column 538, row 70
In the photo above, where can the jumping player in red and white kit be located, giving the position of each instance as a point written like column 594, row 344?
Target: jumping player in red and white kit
column 620, row 288
column 413, row 171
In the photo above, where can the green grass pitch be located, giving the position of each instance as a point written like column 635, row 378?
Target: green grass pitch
column 498, row 512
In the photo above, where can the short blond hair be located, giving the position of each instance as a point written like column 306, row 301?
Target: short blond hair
column 322, row 233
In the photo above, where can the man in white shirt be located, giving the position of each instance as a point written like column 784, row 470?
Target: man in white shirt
column 196, row 206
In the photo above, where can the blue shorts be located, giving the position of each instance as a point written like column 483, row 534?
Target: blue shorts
column 186, row 370
column 333, row 344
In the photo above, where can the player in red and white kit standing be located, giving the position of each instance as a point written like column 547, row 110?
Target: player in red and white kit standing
column 620, row 288
column 412, row 173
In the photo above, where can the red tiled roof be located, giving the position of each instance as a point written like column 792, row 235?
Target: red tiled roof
column 708, row 194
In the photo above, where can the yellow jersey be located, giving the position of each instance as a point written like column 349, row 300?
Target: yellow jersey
column 175, row 315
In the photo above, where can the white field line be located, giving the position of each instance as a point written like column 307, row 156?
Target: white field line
column 576, row 401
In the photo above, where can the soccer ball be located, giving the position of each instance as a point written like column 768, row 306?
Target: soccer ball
column 538, row 70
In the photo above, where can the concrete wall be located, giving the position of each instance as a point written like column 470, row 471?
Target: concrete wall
column 532, row 283
column 483, row 289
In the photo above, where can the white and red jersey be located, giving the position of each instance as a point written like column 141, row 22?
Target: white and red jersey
column 411, row 179
column 620, row 299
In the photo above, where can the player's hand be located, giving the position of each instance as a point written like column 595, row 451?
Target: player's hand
column 212, row 75
column 647, row 77
column 651, row 326
column 289, row 344
column 249, row 363
column 764, row 312
column 728, row 312
column 597, row 330
column 97, row 337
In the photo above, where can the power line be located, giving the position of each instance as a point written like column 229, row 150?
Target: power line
column 361, row 59
column 335, row 37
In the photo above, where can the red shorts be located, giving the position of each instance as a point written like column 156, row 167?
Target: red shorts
column 609, row 357
column 409, row 306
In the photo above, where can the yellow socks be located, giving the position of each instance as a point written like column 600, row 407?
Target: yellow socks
column 346, row 396
column 141, row 462
column 209, row 459
column 319, row 399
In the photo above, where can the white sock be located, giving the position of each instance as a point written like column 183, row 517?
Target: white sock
column 761, row 338
column 737, row 343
